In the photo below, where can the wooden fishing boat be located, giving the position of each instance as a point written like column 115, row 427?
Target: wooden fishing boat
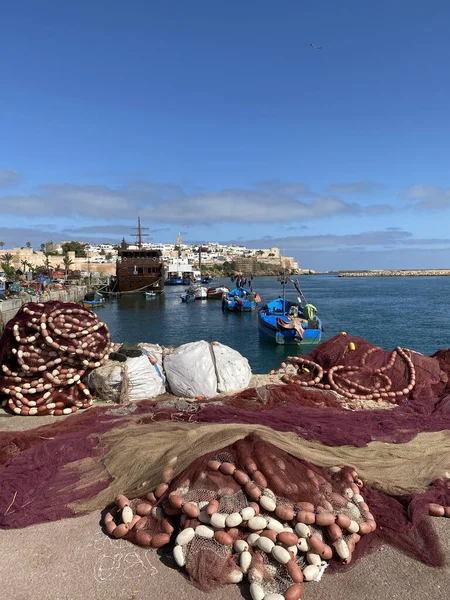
column 239, row 300
column 187, row 297
column 93, row 300
column 285, row 322
column 216, row 293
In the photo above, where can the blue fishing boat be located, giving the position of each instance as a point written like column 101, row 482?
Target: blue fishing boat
column 239, row 300
column 285, row 322
column 187, row 297
column 93, row 300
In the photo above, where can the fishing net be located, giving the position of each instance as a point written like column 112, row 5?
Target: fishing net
column 356, row 369
column 150, row 450
column 44, row 352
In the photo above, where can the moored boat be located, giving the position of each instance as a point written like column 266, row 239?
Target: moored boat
column 199, row 292
column 216, row 293
column 285, row 322
column 239, row 300
column 93, row 300
column 187, row 297
column 149, row 294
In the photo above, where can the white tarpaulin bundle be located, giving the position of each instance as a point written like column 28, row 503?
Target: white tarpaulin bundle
column 191, row 370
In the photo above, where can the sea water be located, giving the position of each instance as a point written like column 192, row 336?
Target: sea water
column 411, row 312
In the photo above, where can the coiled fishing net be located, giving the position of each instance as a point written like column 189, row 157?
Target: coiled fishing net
column 44, row 351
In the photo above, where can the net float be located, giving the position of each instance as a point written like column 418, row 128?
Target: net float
column 235, row 576
column 341, row 548
column 281, row 555
column 227, row 468
column 334, row 532
column 161, row 489
column 252, row 539
column 268, row 533
column 307, row 506
column 294, row 571
column 204, row 532
column 218, row 520
column 256, row 592
column 223, row 538
column 306, row 517
column 185, row 536
column 247, row 513
column 255, row 507
column 127, row 515
column 241, row 477
column 287, row 538
column 303, row 530
column 265, row 544
column 212, row 508
column 343, row 521
column 259, row 479
column 313, row 558
column 267, row 503
column 175, row 501
column 252, row 490
column 274, row 525
column 191, row 510
column 122, row 501
column 239, row 546
column 311, row 572
column 178, row 555
column 325, row 519
column 120, row 530
column 143, row 538
column 245, row 561
column 257, row 523
column 284, row 512
column 233, row 520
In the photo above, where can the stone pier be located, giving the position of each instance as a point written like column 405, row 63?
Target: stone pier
column 9, row 308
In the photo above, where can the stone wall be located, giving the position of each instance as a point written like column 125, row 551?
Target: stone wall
column 9, row 308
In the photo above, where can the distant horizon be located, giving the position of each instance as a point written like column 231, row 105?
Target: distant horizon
column 226, row 122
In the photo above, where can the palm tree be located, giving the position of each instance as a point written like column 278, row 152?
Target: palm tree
column 28, row 244
column 7, row 258
column 67, row 263
column 24, row 264
column 2, row 244
column 42, row 247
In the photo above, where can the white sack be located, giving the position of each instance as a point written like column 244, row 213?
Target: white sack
column 232, row 369
column 190, row 371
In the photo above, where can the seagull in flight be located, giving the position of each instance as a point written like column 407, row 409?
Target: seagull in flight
column 316, row 47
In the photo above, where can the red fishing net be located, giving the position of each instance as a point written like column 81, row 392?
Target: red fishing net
column 299, row 433
column 44, row 351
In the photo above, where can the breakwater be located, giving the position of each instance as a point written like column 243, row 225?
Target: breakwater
column 9, row 308
column 409, row 273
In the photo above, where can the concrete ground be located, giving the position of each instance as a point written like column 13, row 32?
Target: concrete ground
column 72, row 559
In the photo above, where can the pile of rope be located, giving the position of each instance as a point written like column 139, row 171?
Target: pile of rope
column 250, row 510
column 44, row 352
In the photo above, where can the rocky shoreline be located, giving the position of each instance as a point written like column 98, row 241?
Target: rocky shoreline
column 395, row 273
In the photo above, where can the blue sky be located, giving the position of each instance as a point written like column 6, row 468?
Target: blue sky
column 220, row 120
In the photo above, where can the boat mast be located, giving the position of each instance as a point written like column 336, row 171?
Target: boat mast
column 139, row 235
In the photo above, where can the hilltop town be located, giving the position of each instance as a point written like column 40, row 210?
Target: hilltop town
column 99, row 260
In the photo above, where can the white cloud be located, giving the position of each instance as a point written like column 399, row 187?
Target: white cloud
column 357, row 187
column 8, row 177
column 428, row 197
